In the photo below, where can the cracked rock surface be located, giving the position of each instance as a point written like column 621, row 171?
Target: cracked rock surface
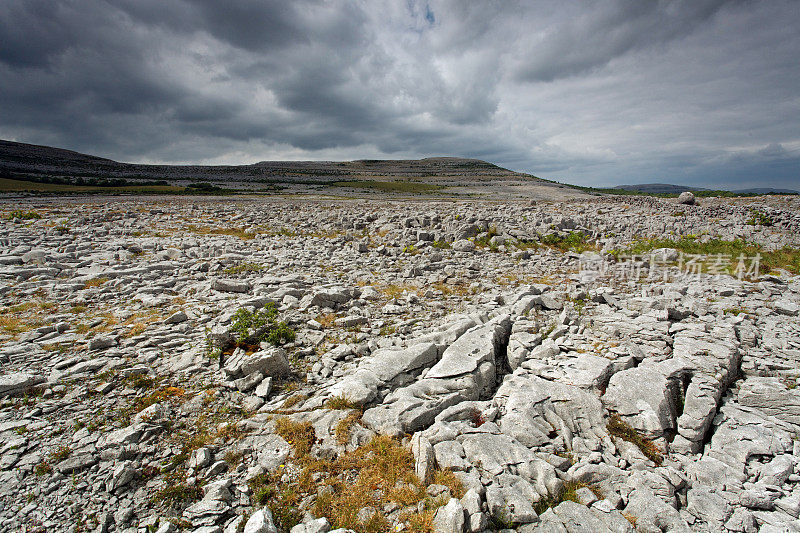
column 556, row 400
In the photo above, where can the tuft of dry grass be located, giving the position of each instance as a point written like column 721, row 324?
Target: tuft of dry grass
column 300, row 435
column 26, row 316
column 162, row 395
column 447, row 478
column 326, row 320
column 340, row 402
column 294, row 399
column 393, row 291
column 420, row 522
column 369, row 475
column 345, row 425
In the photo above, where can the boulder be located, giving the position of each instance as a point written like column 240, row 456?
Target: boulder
column 646, row 396
column 450, row 518
column 230, row 285
column 463, row 245
column 260, row 522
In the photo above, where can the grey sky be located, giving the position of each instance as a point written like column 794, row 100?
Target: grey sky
column 695, row 92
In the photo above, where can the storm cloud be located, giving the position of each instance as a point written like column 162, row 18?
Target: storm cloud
column 698, row 92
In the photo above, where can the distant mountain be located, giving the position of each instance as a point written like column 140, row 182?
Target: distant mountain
column 666, row 188
column 658, row 188
column 767, row 190
column 35, row 162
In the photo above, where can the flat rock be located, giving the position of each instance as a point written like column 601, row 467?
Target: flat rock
column 15, row 382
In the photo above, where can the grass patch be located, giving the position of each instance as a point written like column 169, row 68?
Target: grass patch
column 26, row 316
column 568, row 494
column 160, row 396
column 619, row 428
column 393, row 292
column 326, row 320
column 370, row 478
column 375, row 475
column 787, row 258
column 177, row 493
column 447, row 478
column 483, row 239
column 387, row 330
column 458, row 288
column 42, row 469
column 283, row 499
column 575, row 241
column 60, row 454
column 759, row 218
column 736, row 311
column 243, row 269
column 139, row 381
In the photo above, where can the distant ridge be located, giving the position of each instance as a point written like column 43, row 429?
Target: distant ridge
column 666, row 188
column 30, row 161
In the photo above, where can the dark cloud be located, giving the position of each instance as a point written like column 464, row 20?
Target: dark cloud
column 591, row 36
column 591, row 92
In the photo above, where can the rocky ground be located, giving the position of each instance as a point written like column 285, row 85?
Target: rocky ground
column 454, row 366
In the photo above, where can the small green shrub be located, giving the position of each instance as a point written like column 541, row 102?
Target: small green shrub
column 759, row 218
column 280, row 333
column 252, row 327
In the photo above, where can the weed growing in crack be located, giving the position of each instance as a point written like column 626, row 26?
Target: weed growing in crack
column 619, row 428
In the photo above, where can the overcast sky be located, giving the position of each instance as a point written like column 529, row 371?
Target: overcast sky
column 697, row 92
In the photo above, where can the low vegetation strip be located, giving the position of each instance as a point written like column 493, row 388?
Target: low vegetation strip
column 19, row 186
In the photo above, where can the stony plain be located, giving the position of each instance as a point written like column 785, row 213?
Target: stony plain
column 314, row 364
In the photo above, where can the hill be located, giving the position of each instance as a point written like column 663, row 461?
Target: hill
column 36, row 162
